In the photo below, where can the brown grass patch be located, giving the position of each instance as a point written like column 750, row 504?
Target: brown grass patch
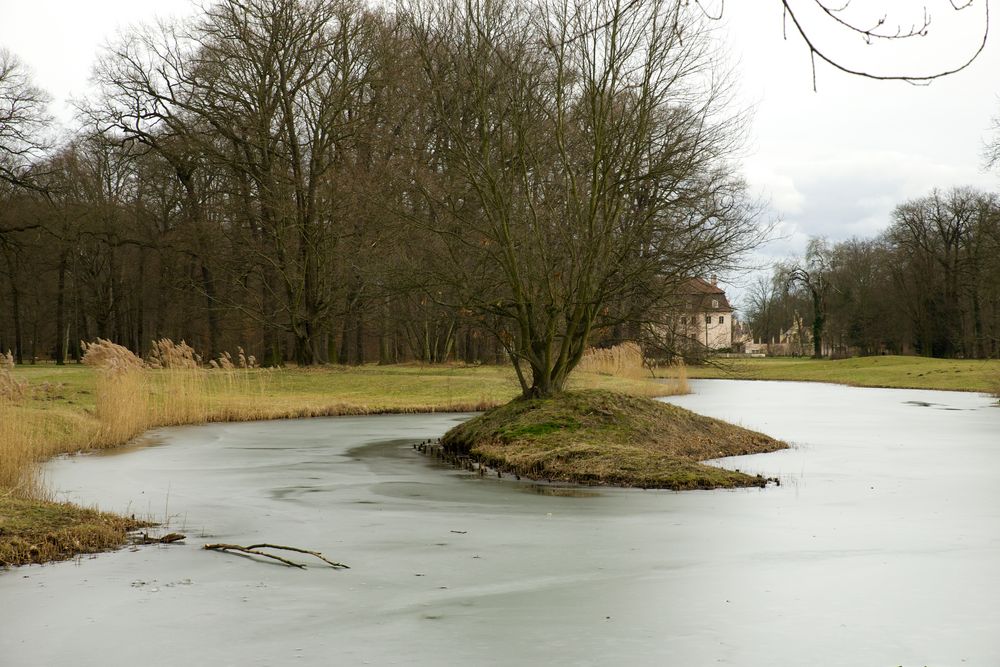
column 34, row 531
column 627, row 361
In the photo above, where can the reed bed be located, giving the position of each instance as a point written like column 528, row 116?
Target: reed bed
column 19, row 454
column 18, row 440
column 627, row 361
column 122, row 397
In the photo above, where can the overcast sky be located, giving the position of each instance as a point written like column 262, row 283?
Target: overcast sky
column 831, row 163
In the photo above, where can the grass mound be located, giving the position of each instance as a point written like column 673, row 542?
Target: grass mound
column 35, row 531
column 600, row 437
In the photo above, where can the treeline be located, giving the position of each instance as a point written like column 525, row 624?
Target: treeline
column 928, row 285
column 320, row 181
column 232, row 184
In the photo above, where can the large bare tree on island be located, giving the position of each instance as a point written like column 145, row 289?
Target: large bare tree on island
column 578, row 159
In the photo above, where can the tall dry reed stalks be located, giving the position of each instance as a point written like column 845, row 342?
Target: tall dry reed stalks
column 674, row 378
column 177, row 384
column 172, row 388
column 627, row 361
column 19, row 454
column 10, row 387
column 19, row 441
column 122, row 396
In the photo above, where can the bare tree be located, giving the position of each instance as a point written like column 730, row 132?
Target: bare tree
column 23, row 118
column 578, row 163
column 814, row 275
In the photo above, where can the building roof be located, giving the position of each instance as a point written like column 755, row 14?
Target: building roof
column 699, row 294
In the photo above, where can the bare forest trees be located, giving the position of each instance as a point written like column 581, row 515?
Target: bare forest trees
column 322, row 181
column 928, row 285
column 23, row 118
column 270, row 92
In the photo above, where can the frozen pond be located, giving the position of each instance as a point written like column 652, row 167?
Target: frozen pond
column 880, row 547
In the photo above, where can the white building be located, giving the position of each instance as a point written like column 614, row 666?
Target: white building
column 705, row 316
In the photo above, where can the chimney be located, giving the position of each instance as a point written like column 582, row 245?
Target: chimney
column 715, row 280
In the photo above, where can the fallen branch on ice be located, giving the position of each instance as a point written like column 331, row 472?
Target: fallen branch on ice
column 255, row 549
column 169, row 538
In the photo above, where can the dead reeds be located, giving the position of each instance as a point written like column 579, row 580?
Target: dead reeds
column 627, row 361
column 177, row 384
column 19, row 440
column 122, row 396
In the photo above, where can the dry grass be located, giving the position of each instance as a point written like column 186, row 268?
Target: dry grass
column 19, row 454
column 34, row 531
column 627, row 361
column 122, row 398
column 19, row 446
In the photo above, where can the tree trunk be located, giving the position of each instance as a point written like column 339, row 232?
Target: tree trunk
column 61, row 308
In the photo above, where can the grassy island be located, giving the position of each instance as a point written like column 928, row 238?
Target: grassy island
column 602, row 437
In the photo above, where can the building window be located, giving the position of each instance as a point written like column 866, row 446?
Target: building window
column 721, row 319
column 708, row 319
column 684, row 320
column 715, row 303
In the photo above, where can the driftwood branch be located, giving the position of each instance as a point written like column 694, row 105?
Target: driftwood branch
column 169, row 538
column 255, row 549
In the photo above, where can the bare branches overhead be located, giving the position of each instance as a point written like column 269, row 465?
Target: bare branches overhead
column 809, row 18
column 23, row 119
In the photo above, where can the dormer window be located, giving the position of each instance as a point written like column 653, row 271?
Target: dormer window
column 715, row 303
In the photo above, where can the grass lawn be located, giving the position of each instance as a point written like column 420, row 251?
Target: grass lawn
column 885, row 371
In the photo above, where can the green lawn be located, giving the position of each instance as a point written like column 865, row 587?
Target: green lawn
column 886, row 371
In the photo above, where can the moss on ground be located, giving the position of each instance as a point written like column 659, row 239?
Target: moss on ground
column 37, row 531
column 601, row 437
